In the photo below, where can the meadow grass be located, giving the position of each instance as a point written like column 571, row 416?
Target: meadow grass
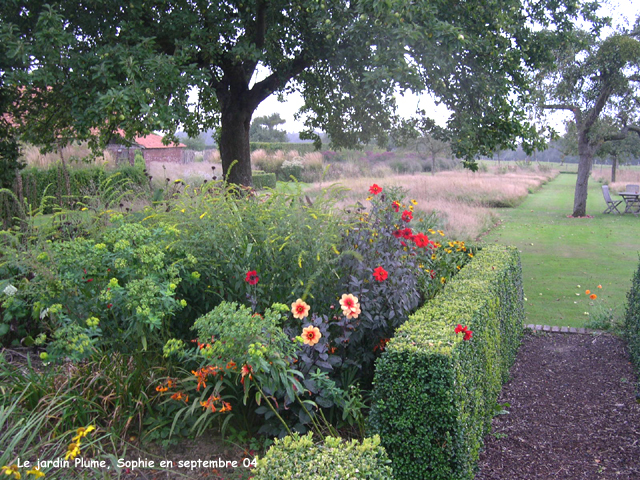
column 465, row 202
column 563, row 257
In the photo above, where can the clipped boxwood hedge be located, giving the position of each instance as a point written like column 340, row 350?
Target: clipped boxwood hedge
column 262, row 180
column 632, row 319
column 435, row 394
column 296, row 457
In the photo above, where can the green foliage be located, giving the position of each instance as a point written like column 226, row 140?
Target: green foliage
column 434, row 392
column 76, row 186
column 632, row 319
column 117, row 291
column 299, row 457
column 272, row 147
column 290, row 244
column 138, row 161
column 262, row 180
column 101, row 392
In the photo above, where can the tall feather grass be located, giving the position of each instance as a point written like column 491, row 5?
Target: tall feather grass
column 464, row 201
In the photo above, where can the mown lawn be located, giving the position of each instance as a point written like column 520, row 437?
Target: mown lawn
column 562, row 257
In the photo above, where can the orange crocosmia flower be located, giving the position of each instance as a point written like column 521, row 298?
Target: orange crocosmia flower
column 593, row 296
column 311, row 335
column 599, row 286
column 226, row 407
column 202, row 373
column 180, row 396
column 300, row 309
column 231, row 365
column 246, row 370
column 587, row 292
column 161, row 389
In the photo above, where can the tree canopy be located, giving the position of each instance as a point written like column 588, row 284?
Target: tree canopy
column 593, row 78
column 89, row 67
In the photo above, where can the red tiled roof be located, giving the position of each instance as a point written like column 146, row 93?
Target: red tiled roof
column 155, row 141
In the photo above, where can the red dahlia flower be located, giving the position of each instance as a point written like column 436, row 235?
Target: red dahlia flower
column 380, row 274
column 252, row 277
column 375, row 189
column 407, row 216
column 421, row 240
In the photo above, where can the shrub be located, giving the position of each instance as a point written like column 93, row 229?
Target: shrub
column 69, row 187
column 632, row 319
column 291, row 168
column 435, row 393
column 116, row 291
column 262, row 180
column 298, row 457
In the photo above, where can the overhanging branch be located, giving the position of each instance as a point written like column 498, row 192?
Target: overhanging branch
column 622, row 134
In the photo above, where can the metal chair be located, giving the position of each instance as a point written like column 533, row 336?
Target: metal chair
column 633, row 188
column 612, row 207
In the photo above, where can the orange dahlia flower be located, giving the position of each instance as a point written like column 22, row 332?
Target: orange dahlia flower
column 311, row 335
column 300, row 309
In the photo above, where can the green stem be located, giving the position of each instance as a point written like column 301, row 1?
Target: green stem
column 274, row 410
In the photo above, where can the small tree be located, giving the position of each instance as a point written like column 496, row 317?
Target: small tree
column 431, row 146
column 593, row 77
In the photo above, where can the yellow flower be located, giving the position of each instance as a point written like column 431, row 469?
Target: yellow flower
column 82, row 432
column 415, row 202
column 443, row 280
column 12, row 470
column 35, row 471
column 441, row 233
column 73, row 450
column 202, row 216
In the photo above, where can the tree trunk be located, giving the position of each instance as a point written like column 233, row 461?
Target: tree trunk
column 234, row 141
column 585, row 151
column 614, row 166
column 433, row 164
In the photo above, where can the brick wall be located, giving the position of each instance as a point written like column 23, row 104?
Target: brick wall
column 173, row 155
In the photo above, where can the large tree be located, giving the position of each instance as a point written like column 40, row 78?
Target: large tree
column 593, row 78
column 95, row 66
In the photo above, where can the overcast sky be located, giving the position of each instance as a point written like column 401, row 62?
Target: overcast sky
column 623, row 12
